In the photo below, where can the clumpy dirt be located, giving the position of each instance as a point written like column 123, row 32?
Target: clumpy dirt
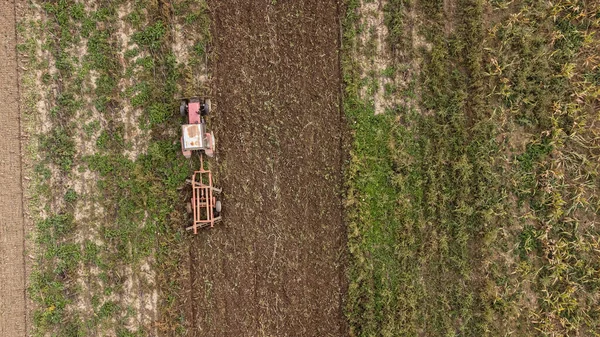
column 275, row 265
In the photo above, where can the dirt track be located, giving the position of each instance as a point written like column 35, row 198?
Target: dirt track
column 12, row 276
column 274, row 267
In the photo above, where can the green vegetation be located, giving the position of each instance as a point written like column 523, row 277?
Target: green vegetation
column 60, row 148
column 94, row 236
column 474, row 211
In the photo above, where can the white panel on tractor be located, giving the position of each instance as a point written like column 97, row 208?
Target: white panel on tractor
column 193, row 137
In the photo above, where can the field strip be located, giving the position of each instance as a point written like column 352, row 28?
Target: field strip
column 12, row 276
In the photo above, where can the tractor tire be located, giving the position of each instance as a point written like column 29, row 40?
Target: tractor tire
column 218, row 207
column 183, row 108
column 207, row 108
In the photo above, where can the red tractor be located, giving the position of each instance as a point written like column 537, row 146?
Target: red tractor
column 194, row 135
column 204, row 205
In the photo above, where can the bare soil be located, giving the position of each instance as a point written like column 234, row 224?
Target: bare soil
column 375, row 57
column 12, row 270
column 275, row 265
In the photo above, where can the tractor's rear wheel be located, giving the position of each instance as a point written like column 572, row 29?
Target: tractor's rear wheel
column 207, row 107
column 183, row 108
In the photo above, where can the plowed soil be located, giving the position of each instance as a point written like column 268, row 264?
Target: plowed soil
column 274, row 266
column 12, row 270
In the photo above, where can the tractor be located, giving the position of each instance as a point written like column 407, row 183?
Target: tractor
column 194, row 136
column 204, row 206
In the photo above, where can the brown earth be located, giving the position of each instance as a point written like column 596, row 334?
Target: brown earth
column 12, row 270
column 274, row 266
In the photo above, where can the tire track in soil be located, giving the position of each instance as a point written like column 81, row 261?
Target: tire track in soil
column 12, row 263
column 274, row 266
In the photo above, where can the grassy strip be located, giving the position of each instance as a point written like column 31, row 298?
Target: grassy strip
column 440, row 195
column 53, row 283
column 548, row 83
column 140, row 209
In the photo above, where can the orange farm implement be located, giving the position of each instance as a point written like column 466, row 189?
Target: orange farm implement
column 204, row 205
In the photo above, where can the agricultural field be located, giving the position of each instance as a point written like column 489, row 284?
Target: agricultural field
column 389, row 167
column 473, row 186
column 104, row 167
column 106, row 185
